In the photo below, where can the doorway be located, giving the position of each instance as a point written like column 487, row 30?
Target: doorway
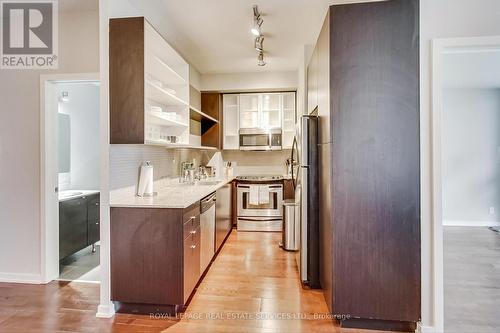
column 70, row 180
column 466, row 175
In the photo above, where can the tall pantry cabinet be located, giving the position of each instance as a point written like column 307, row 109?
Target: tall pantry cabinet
column 363, row 82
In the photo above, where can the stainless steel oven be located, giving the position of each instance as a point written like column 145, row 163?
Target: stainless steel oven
column 260, row 139
column 257, row 216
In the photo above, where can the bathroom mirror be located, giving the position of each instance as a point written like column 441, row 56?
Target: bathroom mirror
column 64, row 143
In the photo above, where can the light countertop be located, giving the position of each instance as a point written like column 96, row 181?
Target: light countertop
column 73, row 194
column 170, row 194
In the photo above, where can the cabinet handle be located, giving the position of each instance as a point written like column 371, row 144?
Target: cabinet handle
column 193, row 231
column 193, row 246
column 97, row 204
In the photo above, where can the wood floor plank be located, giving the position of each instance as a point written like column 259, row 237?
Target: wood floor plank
column 252, row 287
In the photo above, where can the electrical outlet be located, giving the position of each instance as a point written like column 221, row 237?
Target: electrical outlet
column 492, row 210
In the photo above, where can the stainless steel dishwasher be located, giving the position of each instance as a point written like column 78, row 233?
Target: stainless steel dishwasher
column 207, row 229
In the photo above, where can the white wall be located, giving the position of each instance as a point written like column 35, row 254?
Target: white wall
column 249, row 81
column 83, row 110
column 20, row 146
column 442, row 19
column 258, row 163
column 125, row 162
column 471, row 156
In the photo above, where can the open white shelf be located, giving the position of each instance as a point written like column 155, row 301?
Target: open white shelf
column 162, row 96
column 197, row 115
column 166, row 144
column 163, row 72
column 158, row 119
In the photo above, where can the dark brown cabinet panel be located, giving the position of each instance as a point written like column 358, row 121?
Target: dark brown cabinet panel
column 155, row 256
column 126, row 80
column 211, row 104
column 369, row 179
column 146, row 256
column 191, row 262
column 211, row 132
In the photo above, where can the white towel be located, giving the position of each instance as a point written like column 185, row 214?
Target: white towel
column 263, row 194
column 254, row 195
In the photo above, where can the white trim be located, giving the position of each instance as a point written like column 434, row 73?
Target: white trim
column 21, row 278
column 50, row 268
column 428, row 329
column 105, row 311
column 440, row 47
column 457, row 223
column 106, row 308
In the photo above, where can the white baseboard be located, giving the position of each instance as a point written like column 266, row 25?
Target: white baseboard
column 21, row 278
column 428, row 329
column 457, row 223
column 105, row 310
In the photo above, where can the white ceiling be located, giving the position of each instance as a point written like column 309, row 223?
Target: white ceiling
column 70, row 6
column 215, row 37
column 472, row 69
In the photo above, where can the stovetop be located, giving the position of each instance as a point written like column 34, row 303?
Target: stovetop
column 260, row 178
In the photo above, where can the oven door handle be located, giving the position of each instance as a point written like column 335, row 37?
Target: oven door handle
column 259, row 220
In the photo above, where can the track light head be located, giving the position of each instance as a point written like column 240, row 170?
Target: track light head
column 259, row 40
column 260, row 59
column 256, row 26
column 257, row 21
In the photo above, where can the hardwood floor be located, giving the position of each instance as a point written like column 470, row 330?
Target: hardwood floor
column 471, row 280
column 253, row 286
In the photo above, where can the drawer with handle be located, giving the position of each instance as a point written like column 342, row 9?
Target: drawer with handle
column 191, row 225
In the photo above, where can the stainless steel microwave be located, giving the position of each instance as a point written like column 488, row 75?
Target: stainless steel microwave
column 260, row 139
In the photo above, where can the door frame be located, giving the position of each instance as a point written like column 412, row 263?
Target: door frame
column 49, row 214
column 441, row 47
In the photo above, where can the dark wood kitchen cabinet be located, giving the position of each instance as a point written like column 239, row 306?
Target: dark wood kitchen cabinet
column 155, row 257
column 364, row 81
column 78, row 224
column 211, row 132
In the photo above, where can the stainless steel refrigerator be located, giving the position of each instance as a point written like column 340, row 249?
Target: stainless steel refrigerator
column 305, row 178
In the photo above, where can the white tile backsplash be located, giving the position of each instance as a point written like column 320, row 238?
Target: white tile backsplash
column 126, row 160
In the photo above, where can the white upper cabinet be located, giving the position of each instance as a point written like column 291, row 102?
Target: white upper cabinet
column 249, row 111
column 166, row 91
column 258, row 110
column 288, row 124
column 231, row 116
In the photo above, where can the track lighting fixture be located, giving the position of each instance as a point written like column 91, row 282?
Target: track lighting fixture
column 259, row 39
column 260, row 59
column 257, row 21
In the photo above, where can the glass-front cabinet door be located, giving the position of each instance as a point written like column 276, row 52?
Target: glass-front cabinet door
column 231, row 118
column 262, row 111
column 289, row 115
column 249, row 111
column 270, row 111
